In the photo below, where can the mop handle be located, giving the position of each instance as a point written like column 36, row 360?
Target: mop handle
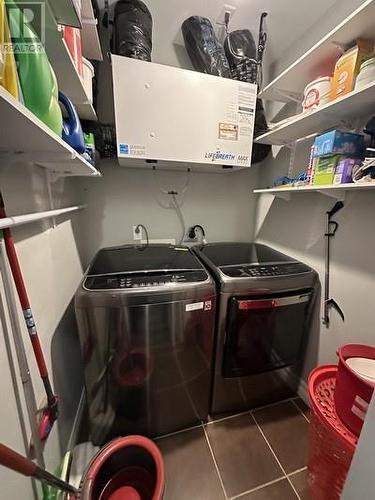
column 13, row 460
column 26, row 309
column 18, row 463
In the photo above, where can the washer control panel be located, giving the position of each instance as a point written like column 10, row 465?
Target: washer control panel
column 265, row 271
column 142, row 280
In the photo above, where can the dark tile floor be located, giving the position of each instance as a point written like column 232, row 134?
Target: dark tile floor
column 257, row 455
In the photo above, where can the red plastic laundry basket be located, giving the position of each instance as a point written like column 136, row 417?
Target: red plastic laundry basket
column 353, row 393
column 331, row 444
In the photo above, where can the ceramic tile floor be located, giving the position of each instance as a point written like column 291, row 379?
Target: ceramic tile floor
column 256, row 455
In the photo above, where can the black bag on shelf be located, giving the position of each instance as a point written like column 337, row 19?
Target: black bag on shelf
column 206, row 53
column 132, row 30
column 241, row 52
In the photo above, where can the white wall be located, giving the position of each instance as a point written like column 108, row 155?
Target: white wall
column 52, row 270
column 297, row 227
column 361, row 479
column 222, row 203
column 284, row 18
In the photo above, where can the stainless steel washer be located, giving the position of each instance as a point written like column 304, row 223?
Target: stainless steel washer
column 146, row 323
column 264, row 314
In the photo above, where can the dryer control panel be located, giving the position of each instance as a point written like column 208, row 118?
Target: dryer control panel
column 265, row 271
column 143, row 280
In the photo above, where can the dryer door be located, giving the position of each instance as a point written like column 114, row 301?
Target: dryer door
column 264, row 334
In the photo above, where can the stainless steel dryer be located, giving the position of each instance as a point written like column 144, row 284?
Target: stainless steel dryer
column 146, row 323
column 264, row 314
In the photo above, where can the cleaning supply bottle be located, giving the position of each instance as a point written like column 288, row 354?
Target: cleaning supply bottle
column 72, row 130
column 8, row 68
column 37, row 78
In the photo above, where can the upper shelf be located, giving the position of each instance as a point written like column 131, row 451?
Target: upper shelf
column 69, row 81
column 321, row 57
column 25, row 138
column 90, row 38
column 344, row 109
column 336, row 191
column 66, row 12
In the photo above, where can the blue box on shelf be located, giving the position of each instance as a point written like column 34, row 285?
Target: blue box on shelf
column 338, row 142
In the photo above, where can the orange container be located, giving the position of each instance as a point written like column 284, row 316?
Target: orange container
column 72, row 37
column 347, row 68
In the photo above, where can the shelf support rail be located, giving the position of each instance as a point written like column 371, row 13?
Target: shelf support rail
column 18, row 220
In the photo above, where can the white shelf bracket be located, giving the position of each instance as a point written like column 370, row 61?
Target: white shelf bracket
column 283, row 196
column 347, row 124
column 292, row 159
column 50, row 197
column 336, row 195
column 289, row 95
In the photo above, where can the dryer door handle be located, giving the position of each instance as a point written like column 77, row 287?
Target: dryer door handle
column 246, row 305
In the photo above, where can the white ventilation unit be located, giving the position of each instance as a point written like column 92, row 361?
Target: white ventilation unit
column 181, row 118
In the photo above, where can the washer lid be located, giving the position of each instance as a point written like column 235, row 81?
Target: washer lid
column 237, row 254
column 130, row 258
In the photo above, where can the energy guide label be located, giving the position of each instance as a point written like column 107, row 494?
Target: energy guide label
column 246, row 99
column 133, row 149
column 228, row 131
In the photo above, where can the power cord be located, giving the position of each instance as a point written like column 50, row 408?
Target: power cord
column 137, row 230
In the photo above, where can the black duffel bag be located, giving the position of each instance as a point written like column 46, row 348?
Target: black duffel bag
column 132, row 30
column 206, row 53
column 240, row 50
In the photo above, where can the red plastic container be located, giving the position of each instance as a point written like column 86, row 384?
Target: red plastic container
column 331, row 444
column 129, row 468
column 353, row 393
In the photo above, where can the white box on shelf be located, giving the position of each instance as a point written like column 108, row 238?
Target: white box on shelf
column 180, row 116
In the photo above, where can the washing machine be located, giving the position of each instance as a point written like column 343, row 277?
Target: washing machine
column 146, row 318
column 266, row 306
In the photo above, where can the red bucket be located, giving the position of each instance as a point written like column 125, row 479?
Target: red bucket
column 129, row 468
column 353, row 392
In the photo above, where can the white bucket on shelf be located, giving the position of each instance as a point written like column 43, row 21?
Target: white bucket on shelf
column 366, row 74
column 317, row 93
